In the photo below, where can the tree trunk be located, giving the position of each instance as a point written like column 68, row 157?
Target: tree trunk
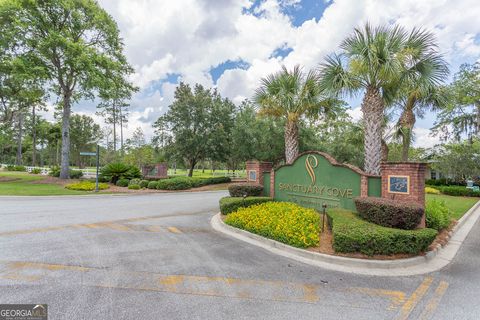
column 34, row 137
column 477, row 105
column 114, row 130
column 65, row 165
column 18, row 160
column 192, row 166
column 121, row 131
column 291, row 141
column 372, row 109
column 406, row 121
column 385, row 151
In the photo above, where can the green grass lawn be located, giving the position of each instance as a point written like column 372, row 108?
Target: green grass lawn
column 458, row 205
column 23, row 184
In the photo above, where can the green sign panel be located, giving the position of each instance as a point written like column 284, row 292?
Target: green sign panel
column 313, row 180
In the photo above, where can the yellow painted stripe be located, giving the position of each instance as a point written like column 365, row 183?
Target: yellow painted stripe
column 116, row 226
column 396, row 297
column 174, row 230
column 434, row 301
column 154, row 229
column 36, row 265
column 416, row 296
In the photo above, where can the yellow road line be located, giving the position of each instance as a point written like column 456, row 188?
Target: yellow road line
column 416, row 296
column 154, row 229
column 174, row 230
column 396, row 297
column 115, row 226
column 37, row 265
column 434, row 301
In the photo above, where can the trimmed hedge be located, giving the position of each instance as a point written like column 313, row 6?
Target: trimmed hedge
column 437, row 215
column 122, row 183
column 458, row 191
column 352, row 234
column 36, row 171
column 16, row 168
column 249, row 190
column 86, row 186
column 152, row 185
column 389, row 213
column 232, row 204
column 183, row 183
column 282, row 221
column 133, row 187
column 144, row 183
column 135, row 181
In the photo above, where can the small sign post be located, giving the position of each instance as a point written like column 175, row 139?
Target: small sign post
column 97, row 154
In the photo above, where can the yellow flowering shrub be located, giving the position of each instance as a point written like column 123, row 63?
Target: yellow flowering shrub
column 282, row 221
column 431, row 190
column 86, row 186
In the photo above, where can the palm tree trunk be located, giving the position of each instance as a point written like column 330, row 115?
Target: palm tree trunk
column 65, row 162
column 291, row 141
column 406, row 121
column 372, row 108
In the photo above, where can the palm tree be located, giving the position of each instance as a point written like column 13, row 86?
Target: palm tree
column 375, row 61
column 291, row 95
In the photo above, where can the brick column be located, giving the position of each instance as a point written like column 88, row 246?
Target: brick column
column 272, row 183
column 404, row 181
column 255, row 170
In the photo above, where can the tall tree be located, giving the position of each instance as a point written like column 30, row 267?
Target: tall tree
column 461, row 116
column 291, row 95
column 76, row 41
column 195, row 121
column 85, row 136
column 372, row 60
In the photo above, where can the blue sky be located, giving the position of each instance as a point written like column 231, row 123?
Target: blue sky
column 232, row 44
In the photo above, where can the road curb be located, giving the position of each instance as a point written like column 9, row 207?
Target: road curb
column 431, row 262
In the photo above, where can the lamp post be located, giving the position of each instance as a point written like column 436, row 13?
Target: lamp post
column 324, row 210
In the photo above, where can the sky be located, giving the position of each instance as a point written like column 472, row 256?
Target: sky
column 232, row 44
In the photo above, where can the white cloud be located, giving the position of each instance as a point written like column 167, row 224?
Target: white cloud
column 188, row 37
column 424, row 139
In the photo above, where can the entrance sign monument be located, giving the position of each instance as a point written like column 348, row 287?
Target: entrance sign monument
column 315, row 179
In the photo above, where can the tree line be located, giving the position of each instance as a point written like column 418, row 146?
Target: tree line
column 66, row 52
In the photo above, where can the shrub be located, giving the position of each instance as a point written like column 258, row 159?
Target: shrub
column 352, row 234
column 36, row 171
column 134, row 181
column 114, row 171
column 232, row 204
column 74, row 174
column 458, row 191
column 178, row 183
column 86, row 186
column 16, row 168
column 144, row 183
column 133, row 187
column 122, row 182
column 430, row 190
column 249, row 190
column 282, row 221
column 152, row 185
column 437, row 214
column 217, row 180
column 389, row 213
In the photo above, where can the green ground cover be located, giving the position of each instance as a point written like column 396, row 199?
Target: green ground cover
column 24, row 184
column 458, row 205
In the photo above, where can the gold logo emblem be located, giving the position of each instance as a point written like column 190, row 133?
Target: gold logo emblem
column 311, row 162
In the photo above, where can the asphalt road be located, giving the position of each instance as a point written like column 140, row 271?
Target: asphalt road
column 155, row 257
